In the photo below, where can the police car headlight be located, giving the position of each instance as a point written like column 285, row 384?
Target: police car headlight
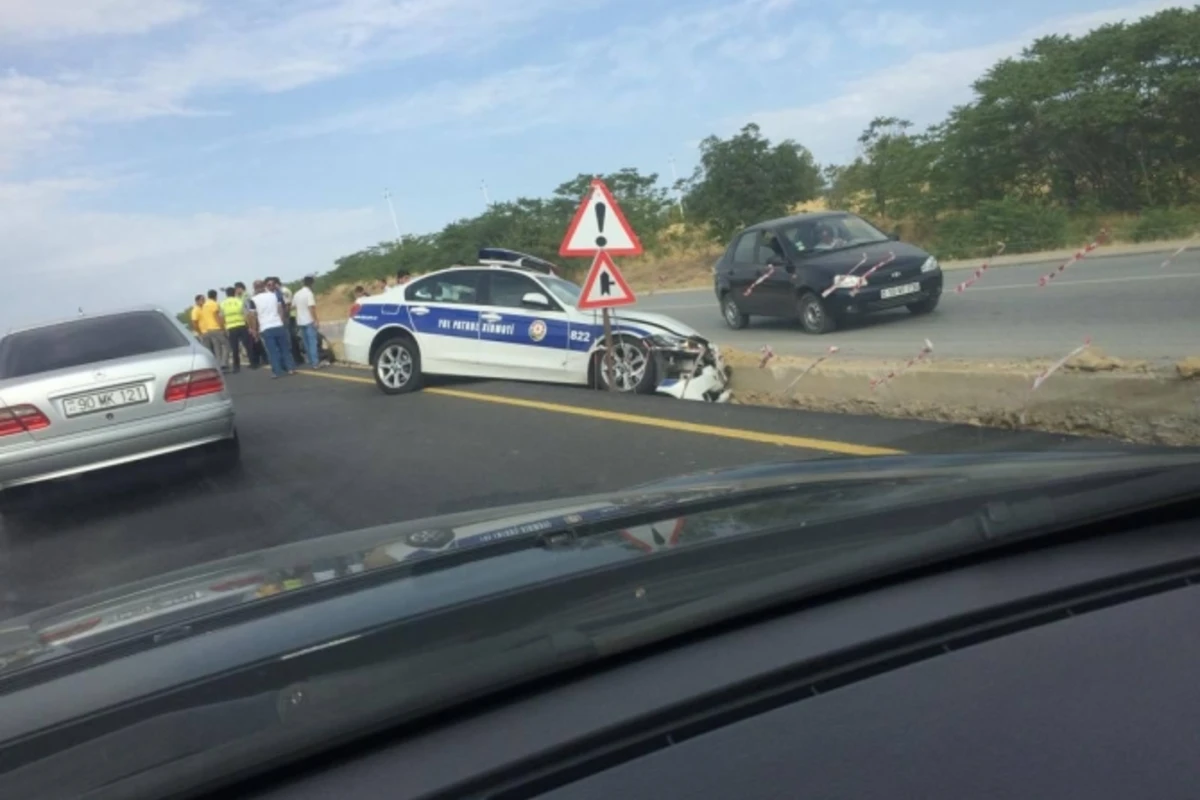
column 669, row 341
column 847, row 281
column 930, row 265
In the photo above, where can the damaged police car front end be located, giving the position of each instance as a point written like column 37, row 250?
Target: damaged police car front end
column 685, row 365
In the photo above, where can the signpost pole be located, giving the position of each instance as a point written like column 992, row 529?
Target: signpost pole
column 608, row 352
column 599, row 229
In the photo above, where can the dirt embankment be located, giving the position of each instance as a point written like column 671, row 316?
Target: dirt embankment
column 1093, row 394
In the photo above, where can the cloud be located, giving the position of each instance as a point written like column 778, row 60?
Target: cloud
column 57, row 256
column 890, row 29
column 683, row 55
column 921, row 89
column 528, row 96
column 250, row 46
column 35, row 111
column 42, row 20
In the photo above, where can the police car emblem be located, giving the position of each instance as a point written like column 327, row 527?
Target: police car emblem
column 537, row 330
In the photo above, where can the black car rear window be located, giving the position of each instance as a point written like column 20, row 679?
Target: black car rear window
column 84, row 341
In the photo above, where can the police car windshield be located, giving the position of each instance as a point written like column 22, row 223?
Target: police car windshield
column 565, row 291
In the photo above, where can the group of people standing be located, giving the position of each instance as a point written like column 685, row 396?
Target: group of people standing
column 262, row 323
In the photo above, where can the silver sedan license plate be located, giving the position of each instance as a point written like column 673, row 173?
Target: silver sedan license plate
column 103, row 401
column 896, row 291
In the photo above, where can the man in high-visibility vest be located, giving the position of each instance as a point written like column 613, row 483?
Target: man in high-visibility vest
column 235, row 327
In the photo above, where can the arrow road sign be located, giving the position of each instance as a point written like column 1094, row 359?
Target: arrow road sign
column 599, row 225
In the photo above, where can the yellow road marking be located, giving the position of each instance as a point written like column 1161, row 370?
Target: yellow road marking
column 829, row 446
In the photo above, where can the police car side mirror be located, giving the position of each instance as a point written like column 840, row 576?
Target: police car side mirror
column 535, row 300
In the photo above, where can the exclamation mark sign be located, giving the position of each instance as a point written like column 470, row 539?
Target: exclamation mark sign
column 601, row 211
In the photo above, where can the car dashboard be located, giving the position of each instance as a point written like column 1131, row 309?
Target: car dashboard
column 1065, row 670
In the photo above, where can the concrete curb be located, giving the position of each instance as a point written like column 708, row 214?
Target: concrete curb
column 1051, row 256
column 1134, row 405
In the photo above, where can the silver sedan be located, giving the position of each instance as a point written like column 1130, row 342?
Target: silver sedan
column 98, row 391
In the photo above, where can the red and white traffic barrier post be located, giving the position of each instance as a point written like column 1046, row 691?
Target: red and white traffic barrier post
column 833, row 348
column 926, row 351
column 1080, row 255
column 1045, row 374
column 962, row 287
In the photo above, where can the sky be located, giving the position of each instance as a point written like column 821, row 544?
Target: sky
column 152, row 149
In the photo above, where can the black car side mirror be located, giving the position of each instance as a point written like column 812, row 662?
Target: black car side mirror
column 894, row 236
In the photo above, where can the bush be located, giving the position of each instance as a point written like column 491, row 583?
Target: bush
column 1164, row 223
column 1023, row 227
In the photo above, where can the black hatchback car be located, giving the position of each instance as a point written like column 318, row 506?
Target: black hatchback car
column 813, row 267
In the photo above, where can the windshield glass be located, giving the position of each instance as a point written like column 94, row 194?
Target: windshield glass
column 86, row 341
column 832, row 233
column 564, row 291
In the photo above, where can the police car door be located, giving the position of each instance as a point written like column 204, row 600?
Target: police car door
column 444, row 308
column 522, row 329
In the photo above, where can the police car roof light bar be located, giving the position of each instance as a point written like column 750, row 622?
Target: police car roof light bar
column 501, row 257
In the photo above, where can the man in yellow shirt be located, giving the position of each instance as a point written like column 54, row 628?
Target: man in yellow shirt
column 196, row 314
column 212, row 329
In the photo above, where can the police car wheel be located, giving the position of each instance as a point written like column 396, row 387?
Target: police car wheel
column 397, row 366
column 633, row 366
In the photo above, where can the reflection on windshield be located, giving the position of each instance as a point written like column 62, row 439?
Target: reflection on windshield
column 832, row 233
column 565, row 291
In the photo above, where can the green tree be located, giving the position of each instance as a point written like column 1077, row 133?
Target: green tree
column 1107, row 119
column 745, row 179
column 893, row 170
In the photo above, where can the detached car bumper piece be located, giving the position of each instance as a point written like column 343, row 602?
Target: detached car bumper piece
column 691, row 369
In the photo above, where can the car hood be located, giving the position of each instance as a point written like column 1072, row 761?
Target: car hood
column 839, row 488
column 656, row 322
column 840, row 262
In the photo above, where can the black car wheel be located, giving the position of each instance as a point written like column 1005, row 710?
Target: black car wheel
column 814, row 315
column 734, row 317
column 397, row 366
column 924, row 306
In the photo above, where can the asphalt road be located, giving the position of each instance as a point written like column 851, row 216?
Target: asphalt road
column 324, row 453
column 1128, row 305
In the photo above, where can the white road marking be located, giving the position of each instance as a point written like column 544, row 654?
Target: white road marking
column 1067, row 282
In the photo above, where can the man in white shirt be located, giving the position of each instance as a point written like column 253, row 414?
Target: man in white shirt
column 306, row 320
column 267, row 322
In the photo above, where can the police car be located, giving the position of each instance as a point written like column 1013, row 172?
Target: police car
column 512, row 316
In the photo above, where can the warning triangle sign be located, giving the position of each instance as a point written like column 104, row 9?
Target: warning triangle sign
column 655, row 536
column 599, row 224
column 605, row 287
